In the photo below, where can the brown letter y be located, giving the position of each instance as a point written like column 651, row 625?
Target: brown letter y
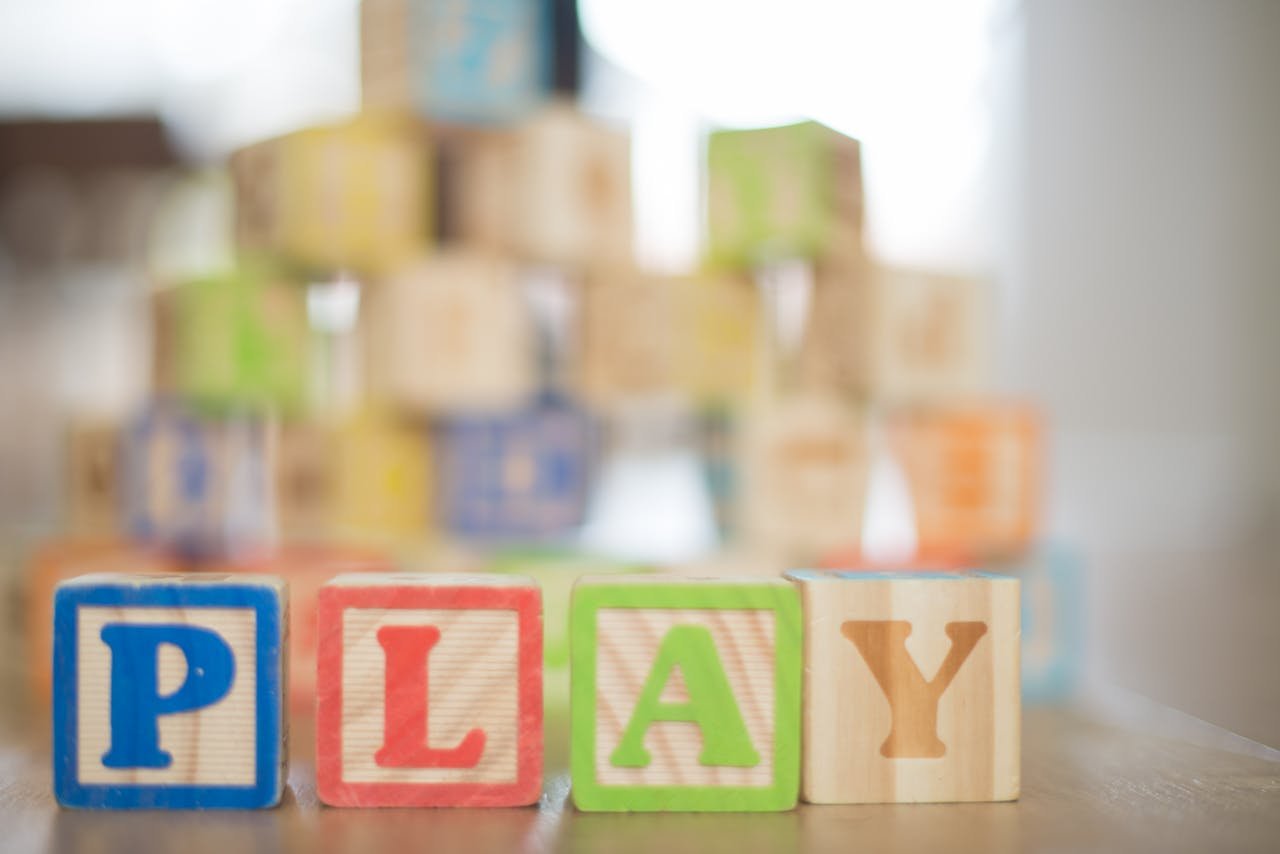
column 913, row 702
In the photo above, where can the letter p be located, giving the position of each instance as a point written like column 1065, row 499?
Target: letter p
column 136, row 701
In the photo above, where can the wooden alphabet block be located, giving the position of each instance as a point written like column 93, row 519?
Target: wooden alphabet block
column 429, row 691
column 199, row 486
column 468, row 61
column 555, row 190
column 352, row 196
column 519, row 476
column 784, row 192
column 974, row 475
column 169, row 692
column 911, row 687
column 806, row 477
column 452, row 332
column 685, row 694
column 241, row 342
column 894, row 334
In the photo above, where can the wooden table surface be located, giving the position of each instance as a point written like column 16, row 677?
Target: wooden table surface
column 1087, row 785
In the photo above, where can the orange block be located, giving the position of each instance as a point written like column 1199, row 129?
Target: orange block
column 975, row 476
column 57, row 561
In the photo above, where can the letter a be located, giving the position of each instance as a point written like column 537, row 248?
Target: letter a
column 404, row 735
column 913, row 702
column 711, row 704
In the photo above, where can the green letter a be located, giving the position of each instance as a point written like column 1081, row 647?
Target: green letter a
column 711, row 705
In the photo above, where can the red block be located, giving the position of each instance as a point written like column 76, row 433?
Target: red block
column 429, row 691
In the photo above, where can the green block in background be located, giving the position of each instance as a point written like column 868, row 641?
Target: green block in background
column 785, row 192
column 240, row 342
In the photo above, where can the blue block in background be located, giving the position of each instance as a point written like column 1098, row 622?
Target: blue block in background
column 522, row 476
column 168, row 692
column 1052, row 624
column 198, row 486
column 479, row 60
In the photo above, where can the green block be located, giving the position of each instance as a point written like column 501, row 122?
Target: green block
column 242, row 341
column 783, row 192
column 685, row 694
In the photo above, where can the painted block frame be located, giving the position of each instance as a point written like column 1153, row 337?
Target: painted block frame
column 587, row 601
column 526, row 601
column 270, row 609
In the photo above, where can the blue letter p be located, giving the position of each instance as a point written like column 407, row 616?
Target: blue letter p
column 136, row 702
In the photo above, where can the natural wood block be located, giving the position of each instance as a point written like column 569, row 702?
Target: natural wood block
column 54, row 562
column 469, row 61
column 306, row 568
column 784, row 192
column 351, row 196
column 429, row 691
column 169, row 692
column 520, row 476
column 911, row 687
column 806, row 476
column 895, row 334
column 93, row 477
column 723, row 734
column 200, row 486
column 452, row 332
column 974, row 474
column 556, row 190
column 382, row 469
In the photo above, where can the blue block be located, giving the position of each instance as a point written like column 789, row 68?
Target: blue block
column 1052, row 624
column 516, row 477
column 168, row 692
column 479, row 60
column 197, row 486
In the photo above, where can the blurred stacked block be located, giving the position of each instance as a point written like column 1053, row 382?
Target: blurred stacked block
column 806, row 477
column 201, row 487
column 350, row 196
column 974, row 473
column 240, row 342
column 555, row 189
column 522, row 476
column 474, row 61
column 451, row 332
column 785, row 192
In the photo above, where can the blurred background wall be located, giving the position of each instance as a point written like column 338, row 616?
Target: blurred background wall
column 1142, row 305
